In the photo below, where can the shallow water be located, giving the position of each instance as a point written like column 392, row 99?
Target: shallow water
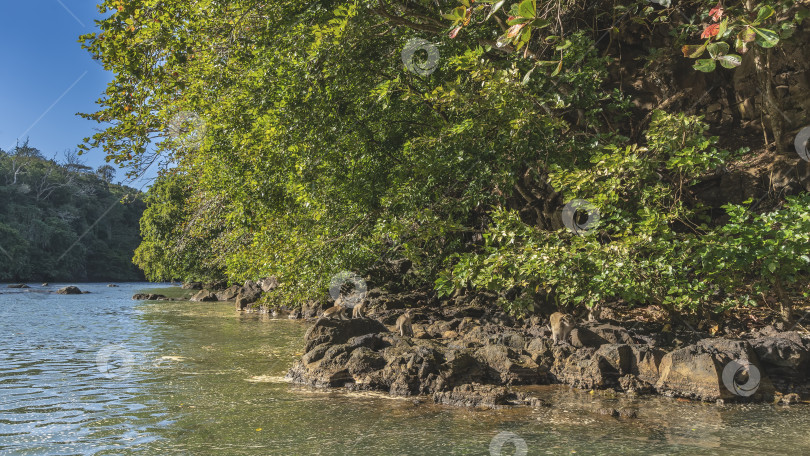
column 102, row 374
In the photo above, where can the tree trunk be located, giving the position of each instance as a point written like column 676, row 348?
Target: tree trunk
column 785, row 305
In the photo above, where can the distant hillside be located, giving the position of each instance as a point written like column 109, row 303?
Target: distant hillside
column 65, row 222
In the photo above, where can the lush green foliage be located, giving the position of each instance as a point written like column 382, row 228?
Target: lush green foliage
column 312, row 149
column 64, row 222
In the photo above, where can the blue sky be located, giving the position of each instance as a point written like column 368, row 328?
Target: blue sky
column 46, row 77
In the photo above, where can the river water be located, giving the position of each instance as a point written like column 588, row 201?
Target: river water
column 102, row 374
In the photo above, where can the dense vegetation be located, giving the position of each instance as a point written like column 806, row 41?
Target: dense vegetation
column 311, row 138
column 65, row 222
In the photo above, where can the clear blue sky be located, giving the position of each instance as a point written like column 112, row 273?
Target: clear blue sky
column 46, row 77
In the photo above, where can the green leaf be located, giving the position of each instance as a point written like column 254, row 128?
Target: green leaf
column 693, row 51
column 730, row 60
column 457, row 14
column 494, row 9
column 527, row 8
column 740, row 46
column 717, row 49
column 705, row 65
column 766, row 38
column 527, row 76
column 723, row 28
column 764, row 13
column 747, row 35
column 801, row 15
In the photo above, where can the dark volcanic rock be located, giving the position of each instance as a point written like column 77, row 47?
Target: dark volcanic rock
column 228, row 294
column 248, row 294
column 584, row 337
column 462, row 355
column 697, row 371
column 204, row 296
column 149, row 297
column 474, row 395
column 340, row 331
column 71, row 290
column 784, row 354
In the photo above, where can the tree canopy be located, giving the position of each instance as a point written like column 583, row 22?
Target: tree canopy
column 306, row 139
column 63, row 222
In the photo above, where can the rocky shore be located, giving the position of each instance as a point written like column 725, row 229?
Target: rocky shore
column 465, row 351
column 471, row 356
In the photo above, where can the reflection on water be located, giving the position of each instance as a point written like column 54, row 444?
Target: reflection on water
column 102, row 374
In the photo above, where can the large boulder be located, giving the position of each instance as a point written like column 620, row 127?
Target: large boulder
column 583, row 337
column 312, row 308
column 714, row 369
column 784, row 355
column 613, row 334
column 268, row 284
column 645, row 363
column 71, row 290
column 584, row 369
column 505, row 366
column 335, row 331
column 204, row 296
column 248, row 294
column 229, row 294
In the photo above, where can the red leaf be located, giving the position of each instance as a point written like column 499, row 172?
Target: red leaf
column 454, row 32
column 716, row 13
column 711, row 31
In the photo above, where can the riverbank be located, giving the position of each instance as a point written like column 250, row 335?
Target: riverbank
column 470, row 354
column 467, row 352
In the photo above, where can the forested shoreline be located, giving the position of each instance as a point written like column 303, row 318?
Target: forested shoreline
column 312, row 139
column 61, row 220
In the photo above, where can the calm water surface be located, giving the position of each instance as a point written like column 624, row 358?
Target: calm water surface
column 102, row 374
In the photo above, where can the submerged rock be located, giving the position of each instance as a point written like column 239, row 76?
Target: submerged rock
column 18, row 285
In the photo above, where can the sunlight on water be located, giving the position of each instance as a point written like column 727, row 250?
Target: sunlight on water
column 102, row 374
